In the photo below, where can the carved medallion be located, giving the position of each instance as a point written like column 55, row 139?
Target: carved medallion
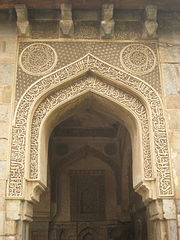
column 38, row 59
column 138, row 59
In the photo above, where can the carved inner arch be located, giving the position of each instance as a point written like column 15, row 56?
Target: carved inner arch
column 90, row 193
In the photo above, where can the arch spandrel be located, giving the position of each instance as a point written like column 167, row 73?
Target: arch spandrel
column 43, row 88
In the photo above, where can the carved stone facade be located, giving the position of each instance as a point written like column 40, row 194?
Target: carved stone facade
column 89, row 123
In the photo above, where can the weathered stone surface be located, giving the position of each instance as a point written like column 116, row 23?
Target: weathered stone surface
column 175, row 140
column 4, row 113
column 4, row 130
column 169, row 54
column 170, row 77
column 176, row 174
column 7, row 29
column 5, row 94
column 178, row 205
column 173, row 119
column 3, row 165
column 178, row 219
column 169, row 209
column 7, row 51
column 10, row 227
column 2, row 221
column 173, row 101
column 3, row 155
column 7, row 71
column 2, row 188
column 172, row 230
column 13, row 210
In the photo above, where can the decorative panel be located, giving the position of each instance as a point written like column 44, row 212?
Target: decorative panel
column 87, row 195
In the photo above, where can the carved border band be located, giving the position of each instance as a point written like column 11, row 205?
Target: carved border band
column 85, row 64
column 90, row 83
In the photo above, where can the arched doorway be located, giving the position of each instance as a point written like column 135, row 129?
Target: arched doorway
column 90, row 191
column 53, row 99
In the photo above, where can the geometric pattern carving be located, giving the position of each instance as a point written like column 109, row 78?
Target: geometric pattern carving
column 138, row 59
column 38, row 59
column 69, row 52
column 150, row 116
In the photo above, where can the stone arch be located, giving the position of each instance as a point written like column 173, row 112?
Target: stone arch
column 129, row 92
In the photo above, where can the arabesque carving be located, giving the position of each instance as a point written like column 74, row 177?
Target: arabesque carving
column 138, row 59
column 129, row 101
column 89, row 83
column 38, row 59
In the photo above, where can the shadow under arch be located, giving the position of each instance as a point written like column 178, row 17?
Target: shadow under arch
column 82, row 152
column 141, row 100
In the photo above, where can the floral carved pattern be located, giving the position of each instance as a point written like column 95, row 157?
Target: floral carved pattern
column 128, row 100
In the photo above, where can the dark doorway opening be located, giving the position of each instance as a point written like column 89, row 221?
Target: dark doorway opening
column 90, row 195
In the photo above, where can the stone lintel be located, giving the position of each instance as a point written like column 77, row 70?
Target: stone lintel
column 23, row 25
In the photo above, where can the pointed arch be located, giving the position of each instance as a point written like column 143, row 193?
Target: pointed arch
column 67, row 83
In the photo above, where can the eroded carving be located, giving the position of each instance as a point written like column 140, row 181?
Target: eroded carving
column 23, row 25
column 89, row 62
column 107, row 23
column 150, row 24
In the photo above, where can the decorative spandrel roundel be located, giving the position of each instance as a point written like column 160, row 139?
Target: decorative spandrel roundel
column 38, row 59
column 138, row 59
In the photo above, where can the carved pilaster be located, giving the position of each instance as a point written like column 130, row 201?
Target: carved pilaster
column 23, row 25
column 150, row 23
column 66, row 23
column 107, row 22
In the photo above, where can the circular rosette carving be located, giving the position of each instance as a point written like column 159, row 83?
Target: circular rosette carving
column 138, row 59
column 38, row 59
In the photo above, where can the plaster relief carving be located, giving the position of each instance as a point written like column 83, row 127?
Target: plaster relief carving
column 38, row 59
column 138, row 59
column 129, row 101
